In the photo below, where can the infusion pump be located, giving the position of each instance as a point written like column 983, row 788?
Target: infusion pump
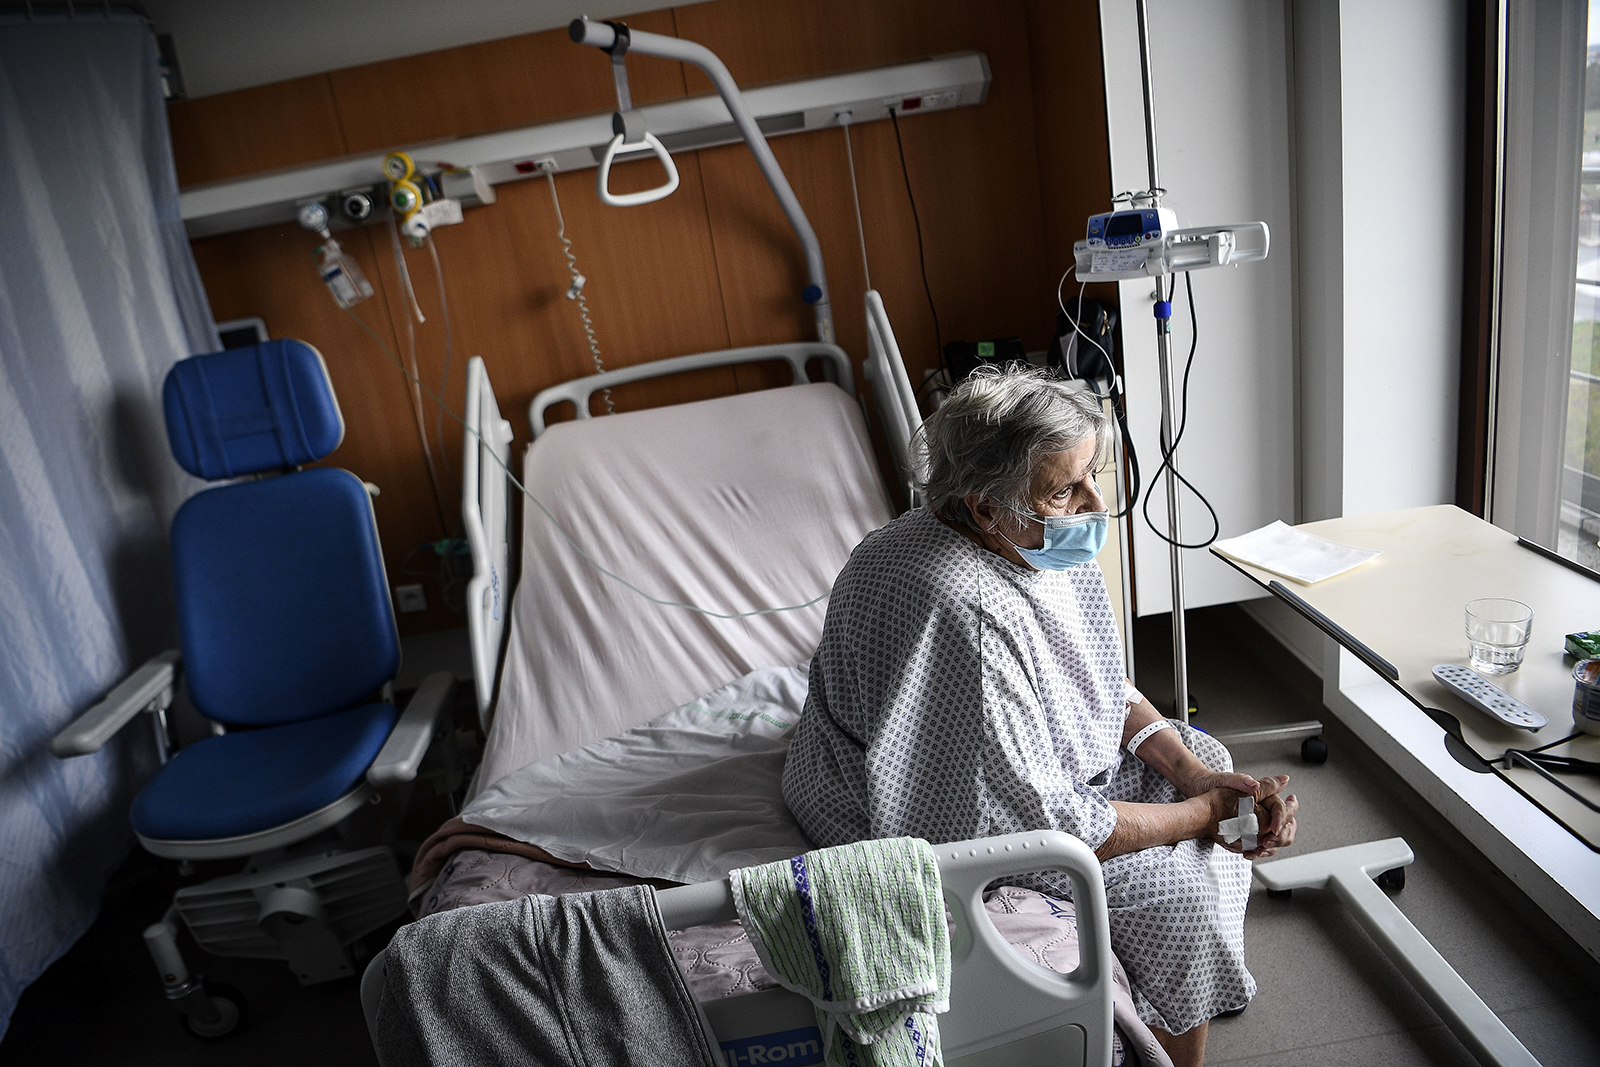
column 1143, row 242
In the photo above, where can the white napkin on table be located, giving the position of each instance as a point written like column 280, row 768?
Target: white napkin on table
column 1292, row 553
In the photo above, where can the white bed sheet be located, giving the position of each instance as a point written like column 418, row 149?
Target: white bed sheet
column 742, row 502
column 688, row 796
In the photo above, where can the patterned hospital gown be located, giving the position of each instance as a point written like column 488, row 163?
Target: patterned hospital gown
column 957, row 695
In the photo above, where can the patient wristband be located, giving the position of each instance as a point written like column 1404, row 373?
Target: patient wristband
column 1148, row 732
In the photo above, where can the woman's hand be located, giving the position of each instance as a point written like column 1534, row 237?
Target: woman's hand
column 1275, row 813
column 1203, row 779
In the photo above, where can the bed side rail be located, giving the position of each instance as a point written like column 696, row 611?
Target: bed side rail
column 897, row 401
column 997, row 998
column 579, row 390
column 485, row 511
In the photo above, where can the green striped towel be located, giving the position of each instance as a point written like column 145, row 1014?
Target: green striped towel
column 860, row 931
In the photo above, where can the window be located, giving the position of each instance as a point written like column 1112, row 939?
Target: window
column 1543, row 436
column 1579, row 525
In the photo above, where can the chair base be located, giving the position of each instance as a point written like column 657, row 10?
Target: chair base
column 305, row 912
column 291, row 833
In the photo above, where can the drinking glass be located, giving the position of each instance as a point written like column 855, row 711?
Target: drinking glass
column 1497, row 634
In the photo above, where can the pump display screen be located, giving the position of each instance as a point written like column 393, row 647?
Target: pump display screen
column 1129, row 225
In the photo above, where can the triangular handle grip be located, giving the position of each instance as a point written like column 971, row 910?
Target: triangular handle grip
column 644, row 196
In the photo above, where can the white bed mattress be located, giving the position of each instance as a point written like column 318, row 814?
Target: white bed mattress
column 733, row 504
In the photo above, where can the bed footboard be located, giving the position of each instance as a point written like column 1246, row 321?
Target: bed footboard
column 486, row 513
column 1003, row 1009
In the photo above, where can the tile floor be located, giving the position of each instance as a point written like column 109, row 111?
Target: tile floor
column 1328, row 995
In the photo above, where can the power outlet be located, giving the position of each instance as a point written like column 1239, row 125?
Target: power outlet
column 410, row 598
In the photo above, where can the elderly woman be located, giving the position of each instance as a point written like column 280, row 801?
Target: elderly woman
column 970, row 683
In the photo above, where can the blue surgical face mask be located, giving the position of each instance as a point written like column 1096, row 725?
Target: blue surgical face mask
column 1068, row 540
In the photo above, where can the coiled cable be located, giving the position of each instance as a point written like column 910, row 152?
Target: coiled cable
column 575, row 292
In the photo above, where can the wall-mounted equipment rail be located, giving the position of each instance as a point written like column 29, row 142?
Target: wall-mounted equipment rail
column 935, row 84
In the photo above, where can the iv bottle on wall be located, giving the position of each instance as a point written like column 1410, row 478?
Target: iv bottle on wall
column 342, row 275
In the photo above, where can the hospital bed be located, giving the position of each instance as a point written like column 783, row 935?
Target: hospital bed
column 653, row 548
column 732, row 504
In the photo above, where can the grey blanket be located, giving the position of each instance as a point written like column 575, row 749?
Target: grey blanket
column 585, row 980
column 720, row 961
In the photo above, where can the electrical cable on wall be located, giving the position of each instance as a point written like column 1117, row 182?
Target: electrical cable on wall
column 417, row 383
column 575, row 291
column 922, row 255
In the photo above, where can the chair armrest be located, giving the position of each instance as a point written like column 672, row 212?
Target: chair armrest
column 402, row 754
column 150, row 688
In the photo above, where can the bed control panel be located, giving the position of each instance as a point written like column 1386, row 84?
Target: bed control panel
column 1487, row 697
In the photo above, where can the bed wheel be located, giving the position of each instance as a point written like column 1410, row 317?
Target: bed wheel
column 1392, row 880
column 1314, row 750
column 229, row 1003
column 1279, row 894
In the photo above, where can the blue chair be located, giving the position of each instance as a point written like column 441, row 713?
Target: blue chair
column 289, row 648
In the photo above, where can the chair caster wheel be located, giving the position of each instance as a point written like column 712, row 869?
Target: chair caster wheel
column 229, row 1004
column 1314, row 750
column 1279, row 894
column 1392, row 880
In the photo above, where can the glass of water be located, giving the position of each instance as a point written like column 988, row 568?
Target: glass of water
column 1497, row 634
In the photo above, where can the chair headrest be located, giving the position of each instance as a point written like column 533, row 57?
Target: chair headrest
column 248, row 410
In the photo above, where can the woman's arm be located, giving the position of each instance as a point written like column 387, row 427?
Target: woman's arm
column 1141, row 826
column 1165, row 751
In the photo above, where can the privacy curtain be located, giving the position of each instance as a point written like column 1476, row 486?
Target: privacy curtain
column 99, row 296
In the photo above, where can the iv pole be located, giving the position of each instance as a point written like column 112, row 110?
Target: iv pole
column 1163, row 313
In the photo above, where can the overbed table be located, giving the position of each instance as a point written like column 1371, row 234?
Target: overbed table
column 1401, row 613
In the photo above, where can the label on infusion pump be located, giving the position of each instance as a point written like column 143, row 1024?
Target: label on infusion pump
column 1115, row 260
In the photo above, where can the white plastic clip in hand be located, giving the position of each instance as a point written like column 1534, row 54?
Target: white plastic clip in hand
column 1242, row 828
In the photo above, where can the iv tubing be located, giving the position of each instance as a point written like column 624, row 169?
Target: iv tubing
column 416, row 383
column 598, row 34
column 449, row 348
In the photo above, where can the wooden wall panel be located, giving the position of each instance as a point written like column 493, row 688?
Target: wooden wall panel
column 516, row 81
column 973, row 170
column 1069, row 94
column 285, row 124
column 652, row 293
column 714, row 265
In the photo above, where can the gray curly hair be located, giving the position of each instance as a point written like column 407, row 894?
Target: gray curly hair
column 991, row 433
